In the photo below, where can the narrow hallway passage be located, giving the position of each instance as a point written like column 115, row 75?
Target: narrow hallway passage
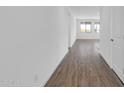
column 84, row 67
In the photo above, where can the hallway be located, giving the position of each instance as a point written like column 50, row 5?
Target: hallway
column 84, row 67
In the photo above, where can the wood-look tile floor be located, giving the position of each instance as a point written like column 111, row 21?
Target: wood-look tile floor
column 84, row 67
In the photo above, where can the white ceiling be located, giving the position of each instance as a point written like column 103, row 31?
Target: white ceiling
column 85, row 12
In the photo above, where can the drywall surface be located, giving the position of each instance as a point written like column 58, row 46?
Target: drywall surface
column 72, row 30
column 117, row 15
column 105, row 34
column 112, row 28
column 33, row 41
column 71, row 21
column 81, row 35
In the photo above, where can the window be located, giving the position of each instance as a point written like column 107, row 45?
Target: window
column 82, row 27
column 90, row 26
column 96, row 27
column 85, row 26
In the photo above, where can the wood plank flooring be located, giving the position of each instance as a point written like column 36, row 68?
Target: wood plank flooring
column 83, row 67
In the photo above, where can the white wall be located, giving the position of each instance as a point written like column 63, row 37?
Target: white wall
column 81, row 35
column 112, row 26
column 117, row 16
column 105, row 34
column 33, row 41
column 71, row 23
column 72, row 30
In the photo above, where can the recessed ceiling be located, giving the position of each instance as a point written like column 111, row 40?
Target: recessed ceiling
column 85, row 12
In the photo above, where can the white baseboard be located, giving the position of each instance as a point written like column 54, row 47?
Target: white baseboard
column 119, row 73
column 44, row 82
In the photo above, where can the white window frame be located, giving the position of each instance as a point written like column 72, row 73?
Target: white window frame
column 93, row 21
